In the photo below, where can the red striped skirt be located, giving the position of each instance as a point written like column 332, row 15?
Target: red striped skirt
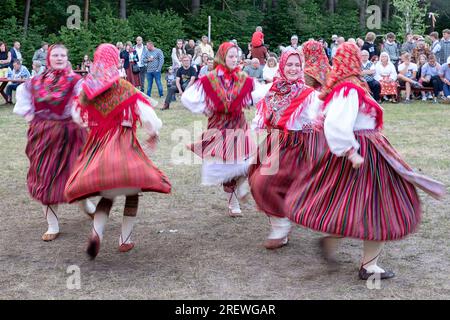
column 280, row 158
column 53, row 147
column 226, row 140
column 377, row 202
column 114, row 161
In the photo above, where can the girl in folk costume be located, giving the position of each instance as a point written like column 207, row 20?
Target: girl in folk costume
column 359, row 187
column 54, row 139
column 225, row 146
column 112, row 162
column 317, row 65
column 287, row 112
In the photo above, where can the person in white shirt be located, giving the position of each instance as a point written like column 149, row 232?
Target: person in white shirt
column 270, row 69
column 140, row 50
column 386, row 75
column 407, row 72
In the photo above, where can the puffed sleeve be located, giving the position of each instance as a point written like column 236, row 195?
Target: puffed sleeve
column 193, row 98
column 150, row 121
column 339, row 122
column 260, row 90
column 24, row 103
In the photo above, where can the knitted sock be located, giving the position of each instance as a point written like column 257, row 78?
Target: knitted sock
column 280, row 227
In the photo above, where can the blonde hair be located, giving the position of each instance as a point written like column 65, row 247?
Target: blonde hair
column 370, row 36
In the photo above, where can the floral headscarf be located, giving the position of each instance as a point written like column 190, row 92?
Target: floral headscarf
column 52, row 88
column 316, row 61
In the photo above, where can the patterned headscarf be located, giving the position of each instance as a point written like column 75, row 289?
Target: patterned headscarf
column 346, row 68
column 346, row 72
column 52, row 88
column 317, row 65
column 284, row 94
column 104, row 71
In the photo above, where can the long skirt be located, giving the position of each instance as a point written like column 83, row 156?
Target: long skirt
column 225, row 148
column 280, row 157
column 377, row 201
column 53, row 147
column 133, row 77
column 115, row 161
column 388, row 88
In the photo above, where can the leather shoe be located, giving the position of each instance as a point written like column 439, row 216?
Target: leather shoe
column 364, row 275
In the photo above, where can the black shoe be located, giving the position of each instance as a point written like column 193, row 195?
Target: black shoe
column 364, row 275
column 166, row 106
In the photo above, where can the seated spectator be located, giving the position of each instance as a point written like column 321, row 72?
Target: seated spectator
column 294, row 43
column 430, row 76
column 360, row 43
column 422, row 61
column 421, row 48
column 407, row 74
column 368, row 72
column 190, row 47
column 205, row 46
column 204, row 62
column 197, row 57
column 270, row 69
column 386, row 75
column 185, row 78
column 255, row 70
column 177, row 52
column 375, row 59
column 445, row 77
column 240, row 52
column 37, row 68
column 208, row 68
column 18, row 72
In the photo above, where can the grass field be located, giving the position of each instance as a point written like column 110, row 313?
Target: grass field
column 211, row 256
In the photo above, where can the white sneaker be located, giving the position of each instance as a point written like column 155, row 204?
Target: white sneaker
column 424, row 98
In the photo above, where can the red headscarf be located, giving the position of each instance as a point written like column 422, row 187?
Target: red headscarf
column 285, row 95
column 220, row 61
column 227, row 91
column 52, row 89
column 346, row 73
column 346, row 68
column 104, row 71
column 316, row 61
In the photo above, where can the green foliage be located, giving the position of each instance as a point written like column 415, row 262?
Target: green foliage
column 410, row 16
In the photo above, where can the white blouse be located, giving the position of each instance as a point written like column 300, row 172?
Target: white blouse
column 302, row 116
column 382, row 71
column 342, row 117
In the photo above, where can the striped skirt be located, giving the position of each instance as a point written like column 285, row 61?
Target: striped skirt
column 114, row 161
column 53, row 147
column 280, row 158
column 376, row 202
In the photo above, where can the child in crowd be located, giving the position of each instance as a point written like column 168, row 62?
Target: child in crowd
column 170, row 80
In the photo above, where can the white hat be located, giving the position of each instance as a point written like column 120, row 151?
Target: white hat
column 448, row 60
column 294, row 37
column 334, row 36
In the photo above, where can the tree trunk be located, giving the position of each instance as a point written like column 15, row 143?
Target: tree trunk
column 330, row 6
column 86, row 12
column 27, row 16
column 274, row 4
column 123, row 9
column 195, row 6
column 387, row 11
column 362, row 13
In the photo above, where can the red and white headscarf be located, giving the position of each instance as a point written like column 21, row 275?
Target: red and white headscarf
column 316, row 61
column 346, row 73
column 104, row 71
column 52, row 89
column 285, row 95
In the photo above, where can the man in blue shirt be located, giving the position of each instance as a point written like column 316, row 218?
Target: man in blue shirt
column 154, row 60
column 430, row 76
column 445, row 77
column 18, row 72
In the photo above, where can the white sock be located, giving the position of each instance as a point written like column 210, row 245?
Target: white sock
column 233, row 203
column 280, row 227
column 52, row 219
column 372, row 250
column 127, row 229
column 100, row 219
column 87, row 206
column 242, row 187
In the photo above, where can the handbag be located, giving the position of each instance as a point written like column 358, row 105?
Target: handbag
column 135, row 68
